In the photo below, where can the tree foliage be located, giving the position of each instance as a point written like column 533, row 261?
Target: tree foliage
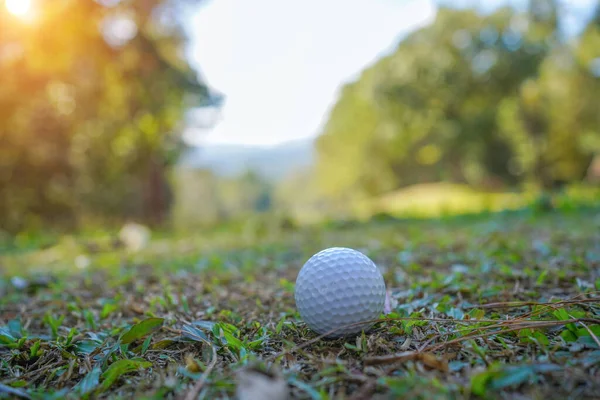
column 91, row 100
column 492, row 100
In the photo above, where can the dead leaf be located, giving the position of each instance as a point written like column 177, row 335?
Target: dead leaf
column 254, row 383
column 431, row 361
column 191, row 364
column 136, row 309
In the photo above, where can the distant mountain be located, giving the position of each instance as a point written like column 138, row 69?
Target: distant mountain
column 272, row 163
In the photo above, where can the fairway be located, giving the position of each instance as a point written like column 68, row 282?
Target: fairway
column 492, row 306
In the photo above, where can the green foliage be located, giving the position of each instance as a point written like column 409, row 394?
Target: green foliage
column 119, row 368
column 141, row 330
column 492, row 100
column 246, row 198
column 89, row 124
column 53, row 322
column 90, row 382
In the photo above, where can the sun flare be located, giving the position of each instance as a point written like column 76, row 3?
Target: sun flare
column 19, row 8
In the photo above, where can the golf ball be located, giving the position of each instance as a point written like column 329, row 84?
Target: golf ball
column 339, row 286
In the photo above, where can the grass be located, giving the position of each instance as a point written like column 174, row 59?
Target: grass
column 494, row 306
column 444, row 198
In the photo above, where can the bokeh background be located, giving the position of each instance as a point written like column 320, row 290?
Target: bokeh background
column 257, row 115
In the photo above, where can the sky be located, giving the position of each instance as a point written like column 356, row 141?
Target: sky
column 280, row 63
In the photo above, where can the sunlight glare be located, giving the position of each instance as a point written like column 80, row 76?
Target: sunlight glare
column 19, row 8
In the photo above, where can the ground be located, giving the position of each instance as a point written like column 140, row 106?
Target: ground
column 500, row 306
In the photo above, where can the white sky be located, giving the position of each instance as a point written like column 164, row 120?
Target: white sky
column 280, row 63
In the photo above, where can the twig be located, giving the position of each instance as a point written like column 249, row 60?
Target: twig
column 193, row 393
column 411, row 355
column 512, row 304
column 592, row 334
column 531, row 324
column 393, row 358
column 39, row 373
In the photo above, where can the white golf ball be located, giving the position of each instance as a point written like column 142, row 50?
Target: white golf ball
column 339, row 286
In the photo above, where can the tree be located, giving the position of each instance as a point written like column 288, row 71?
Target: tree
column 244, row 194
column 90, row 118
column 553, row 124
column 428, row 112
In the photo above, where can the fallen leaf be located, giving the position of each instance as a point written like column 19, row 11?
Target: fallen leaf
column 253, row 384
column 431, row 361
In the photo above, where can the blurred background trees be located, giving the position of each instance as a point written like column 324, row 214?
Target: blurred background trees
column 92, row 97
column 495, row 101
column 91, row 117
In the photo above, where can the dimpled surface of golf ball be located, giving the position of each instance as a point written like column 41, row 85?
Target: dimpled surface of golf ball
column 339, row 286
